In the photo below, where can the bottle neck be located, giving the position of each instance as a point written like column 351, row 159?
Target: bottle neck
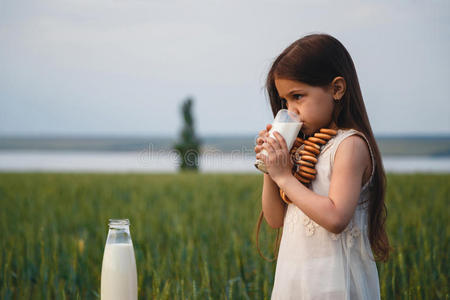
column 118, row 223
column 119, row 232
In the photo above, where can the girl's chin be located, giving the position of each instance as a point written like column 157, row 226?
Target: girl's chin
column 303, row 133
column 304, row 130
column 306, row 133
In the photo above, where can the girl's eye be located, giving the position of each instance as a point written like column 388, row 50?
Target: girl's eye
column 297, row 96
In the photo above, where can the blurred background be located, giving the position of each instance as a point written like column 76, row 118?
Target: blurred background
column 99, row 98
column 98, row 86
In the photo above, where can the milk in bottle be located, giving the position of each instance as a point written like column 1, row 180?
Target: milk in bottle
column 119, row 275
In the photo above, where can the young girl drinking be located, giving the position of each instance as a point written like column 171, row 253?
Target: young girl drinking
column 333, row 217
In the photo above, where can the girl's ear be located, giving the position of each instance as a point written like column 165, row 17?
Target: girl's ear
column 338, row 86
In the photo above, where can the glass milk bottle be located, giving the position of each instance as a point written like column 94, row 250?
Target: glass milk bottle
column 288, row 124
column 119, row 275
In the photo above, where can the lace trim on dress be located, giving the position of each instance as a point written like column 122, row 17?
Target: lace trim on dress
column 310, row 225
column 351, row 232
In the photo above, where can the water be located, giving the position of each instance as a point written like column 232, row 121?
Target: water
column 167, row 162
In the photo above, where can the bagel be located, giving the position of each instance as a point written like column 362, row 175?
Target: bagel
column 323, row 136
column 284, row 197
column 306, row 163
column 317, row 140
column 300, row 178
column 296, row 145
column 304, row 152
column 328, row 131
column 306, row 175
column 309, row 158
column 312, row 149
column 309, row 143
column 299, row 140
column 308, row 169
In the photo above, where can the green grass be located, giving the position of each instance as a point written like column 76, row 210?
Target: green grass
column 193, row 235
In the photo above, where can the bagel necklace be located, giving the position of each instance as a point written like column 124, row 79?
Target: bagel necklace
column 304, row 154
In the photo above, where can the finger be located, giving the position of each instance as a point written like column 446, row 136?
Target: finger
column 268, row 127
column 258, row 149
column 268, row 147
column 261, row 157
column 274, row 143
column 260, row 141
column 262, row 132
column 281, row 141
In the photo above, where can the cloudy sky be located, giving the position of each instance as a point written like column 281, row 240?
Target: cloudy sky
column 124, row 67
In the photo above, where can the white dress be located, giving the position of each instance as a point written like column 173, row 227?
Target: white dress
column 314, row 263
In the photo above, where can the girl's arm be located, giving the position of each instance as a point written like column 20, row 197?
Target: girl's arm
column 333, row 212
column 272, row 204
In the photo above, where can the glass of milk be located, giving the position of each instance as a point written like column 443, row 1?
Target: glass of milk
column 288, row 124
column 119, row 275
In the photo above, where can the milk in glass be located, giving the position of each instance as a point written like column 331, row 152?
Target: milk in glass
column 288, row 124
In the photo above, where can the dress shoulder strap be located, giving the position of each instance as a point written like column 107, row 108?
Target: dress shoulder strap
column 342, row 134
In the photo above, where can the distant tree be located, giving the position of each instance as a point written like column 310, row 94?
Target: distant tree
column 189, row 145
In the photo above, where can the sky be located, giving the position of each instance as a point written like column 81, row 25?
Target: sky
column 83, row 67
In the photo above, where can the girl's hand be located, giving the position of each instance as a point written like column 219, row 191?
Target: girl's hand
column 262, row 136
column 278, row 162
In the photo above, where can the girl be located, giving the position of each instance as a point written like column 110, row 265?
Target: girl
column 332, row 225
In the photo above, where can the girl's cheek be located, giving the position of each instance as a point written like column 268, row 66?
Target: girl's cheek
column 305, row 114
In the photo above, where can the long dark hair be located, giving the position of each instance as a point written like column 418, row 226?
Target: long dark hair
column 316, row 60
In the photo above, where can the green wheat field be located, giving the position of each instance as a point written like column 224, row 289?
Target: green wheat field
column 193, row 235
